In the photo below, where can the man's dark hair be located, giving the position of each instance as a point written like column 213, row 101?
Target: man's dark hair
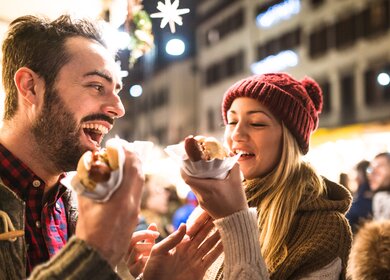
column 39, row 44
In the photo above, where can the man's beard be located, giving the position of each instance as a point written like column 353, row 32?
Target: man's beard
column 57, row 134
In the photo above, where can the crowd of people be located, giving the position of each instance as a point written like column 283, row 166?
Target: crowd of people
column 272, row 217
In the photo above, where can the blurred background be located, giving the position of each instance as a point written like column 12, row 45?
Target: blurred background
column 174, row 81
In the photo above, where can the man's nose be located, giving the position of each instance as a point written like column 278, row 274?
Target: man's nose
column 114, row 107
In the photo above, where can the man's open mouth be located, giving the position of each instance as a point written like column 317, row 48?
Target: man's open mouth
column 95, row 132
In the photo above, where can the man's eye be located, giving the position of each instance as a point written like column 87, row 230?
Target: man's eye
column 232, row 123
column 97, row 87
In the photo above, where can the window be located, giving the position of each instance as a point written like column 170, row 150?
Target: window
column 162, row 98
column 326, row 105
column 376, row 18
column 234, row 64
column 319, row 42
column 316, row 3
column 162, row 135
column 210, row 119
column 290, row 40
column 345, row 32
column 347, row 99
column 225, row 68
column 286, row 41
column 371, row 21
column 225, row 27
column 263, row 8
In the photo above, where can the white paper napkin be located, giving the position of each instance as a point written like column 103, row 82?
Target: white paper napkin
column 103, row 191
column 215, row 168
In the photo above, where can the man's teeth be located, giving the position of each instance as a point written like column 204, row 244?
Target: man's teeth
column 101, row 128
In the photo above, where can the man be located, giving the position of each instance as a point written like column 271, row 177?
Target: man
column 61, row 97
column 61, row 88
column 379, row 178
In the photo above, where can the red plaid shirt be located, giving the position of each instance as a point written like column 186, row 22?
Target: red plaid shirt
column 46, row 224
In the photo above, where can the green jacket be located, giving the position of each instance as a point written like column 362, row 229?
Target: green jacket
column 75, row 261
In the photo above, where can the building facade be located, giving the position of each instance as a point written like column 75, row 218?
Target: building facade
column 344, row 45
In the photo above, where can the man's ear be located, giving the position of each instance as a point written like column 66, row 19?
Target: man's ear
column 29, row 84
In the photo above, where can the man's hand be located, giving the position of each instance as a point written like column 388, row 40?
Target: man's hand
column 108, row 226
column 181, row 256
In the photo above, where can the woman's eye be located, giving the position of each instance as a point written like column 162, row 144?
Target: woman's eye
column 258, row 124
column 231, row 123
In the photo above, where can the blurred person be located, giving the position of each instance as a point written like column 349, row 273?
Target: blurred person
column 301, row 226
column 155, row 205
column 379, row 178
column 370, row 253
column 182, row 214
column 174, row 202
column 344, row 180
column 361, row 208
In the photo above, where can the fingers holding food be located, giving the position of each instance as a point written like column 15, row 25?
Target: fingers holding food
column 206, row 148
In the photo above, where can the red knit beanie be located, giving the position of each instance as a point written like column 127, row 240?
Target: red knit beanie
column 296, row 104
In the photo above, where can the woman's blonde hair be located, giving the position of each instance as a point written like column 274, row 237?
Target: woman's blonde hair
column 277, row 197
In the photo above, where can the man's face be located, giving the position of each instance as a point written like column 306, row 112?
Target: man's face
column 82, row 107
column 379, row 177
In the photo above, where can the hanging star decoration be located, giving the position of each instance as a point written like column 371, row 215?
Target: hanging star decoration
column 169, row 13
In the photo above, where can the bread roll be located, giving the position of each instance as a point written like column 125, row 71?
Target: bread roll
column 96, row 167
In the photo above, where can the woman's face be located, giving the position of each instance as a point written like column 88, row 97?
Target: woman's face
column 256, row 133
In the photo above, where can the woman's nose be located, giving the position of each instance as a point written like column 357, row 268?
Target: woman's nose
column 238, row 133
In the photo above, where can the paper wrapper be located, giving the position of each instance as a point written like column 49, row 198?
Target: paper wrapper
column 103, row 191
column 215, row 168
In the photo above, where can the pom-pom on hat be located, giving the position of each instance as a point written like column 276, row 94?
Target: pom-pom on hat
column 296, row 104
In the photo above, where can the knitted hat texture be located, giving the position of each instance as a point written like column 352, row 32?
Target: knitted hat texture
column 296, row 103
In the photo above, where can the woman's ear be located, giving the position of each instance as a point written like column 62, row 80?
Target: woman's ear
column 28, row 83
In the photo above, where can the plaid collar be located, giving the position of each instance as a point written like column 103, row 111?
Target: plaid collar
column 17, row 175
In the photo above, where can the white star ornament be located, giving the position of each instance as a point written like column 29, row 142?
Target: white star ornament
column 169, row 13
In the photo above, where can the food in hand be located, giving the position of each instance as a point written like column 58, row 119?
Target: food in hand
column 96, row 166
column 204, row 148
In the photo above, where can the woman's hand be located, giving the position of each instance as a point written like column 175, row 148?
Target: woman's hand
column 181, row 256
column 139, row 250
column 220, row 198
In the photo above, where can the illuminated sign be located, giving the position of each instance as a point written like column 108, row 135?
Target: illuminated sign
column 275, row 63
column 278, row 12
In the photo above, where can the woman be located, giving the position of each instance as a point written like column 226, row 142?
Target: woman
column 301, row 225
column 361, row 208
